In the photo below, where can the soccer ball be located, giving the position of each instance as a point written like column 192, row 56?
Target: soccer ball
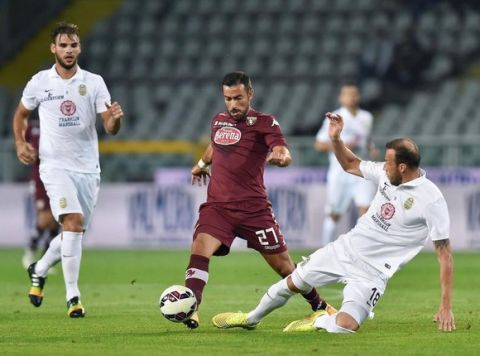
column 177, row 303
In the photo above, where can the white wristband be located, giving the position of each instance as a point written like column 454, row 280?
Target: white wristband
column 202, row 164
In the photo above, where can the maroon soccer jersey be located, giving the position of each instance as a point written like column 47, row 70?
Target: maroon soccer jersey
column 32, row 136
column 240, row 149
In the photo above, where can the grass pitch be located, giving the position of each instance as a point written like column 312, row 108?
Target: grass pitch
column 121, row 290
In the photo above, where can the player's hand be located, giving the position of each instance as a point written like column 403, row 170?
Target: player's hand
column 200, row 175
column 279, row 159
column 115, row 110
column 444, row 319
column 336, row 125
column 26, row 153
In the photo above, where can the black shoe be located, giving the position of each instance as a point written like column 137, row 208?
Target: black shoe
column 75, row 308
column 193, row 322
column 36, row 290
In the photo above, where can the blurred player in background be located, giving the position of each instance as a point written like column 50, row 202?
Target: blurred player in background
column 343, row 188
column 68, row 100
column 242, row 140
column 46, row 228
column 407, row 210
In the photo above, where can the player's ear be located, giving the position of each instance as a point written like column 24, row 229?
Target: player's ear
column 52, row 48
column 251, row 92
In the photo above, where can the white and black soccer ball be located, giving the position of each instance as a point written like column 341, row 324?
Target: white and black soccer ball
column 177, row 303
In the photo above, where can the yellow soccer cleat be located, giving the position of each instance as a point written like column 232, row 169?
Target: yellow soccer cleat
column 75, row 308
column 193, row 322
column 318, row 313
column 330, row 310
column 233, row 320
column 305, row 325
column 35, row 294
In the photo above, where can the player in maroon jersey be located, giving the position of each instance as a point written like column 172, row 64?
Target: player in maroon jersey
column 46, row 227
column 242, row 140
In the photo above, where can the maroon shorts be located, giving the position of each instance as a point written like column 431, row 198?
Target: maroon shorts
column 250, row 220
column 40, row 195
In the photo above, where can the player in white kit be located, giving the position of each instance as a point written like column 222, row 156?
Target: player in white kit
column 343, row 188
column 406, row 211
column 68, row 99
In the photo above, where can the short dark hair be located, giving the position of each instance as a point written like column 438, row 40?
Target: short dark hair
column 406, row 151
column 63, row 27
column 236, row 78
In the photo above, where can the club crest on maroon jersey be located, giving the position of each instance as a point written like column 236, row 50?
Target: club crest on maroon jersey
column 251, row 120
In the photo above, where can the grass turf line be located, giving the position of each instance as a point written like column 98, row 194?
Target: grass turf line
column 121, row 290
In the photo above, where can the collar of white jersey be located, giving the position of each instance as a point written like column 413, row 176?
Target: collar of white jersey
column 417, row 181
column 344, row 112
column 78, row 74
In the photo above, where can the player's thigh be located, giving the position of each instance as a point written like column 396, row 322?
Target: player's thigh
column 361, row 296
column 217, row 223
column 322, row 267
column 364, row 192
column 88, row 185
column 261, row 232
column 62, row 192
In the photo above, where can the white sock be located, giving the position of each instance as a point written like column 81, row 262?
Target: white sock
column 329, row 323
column 71, row 257
column 329, row 230
column 276, row 296
column 51, row 256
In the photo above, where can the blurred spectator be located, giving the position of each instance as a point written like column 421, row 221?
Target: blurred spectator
column 409, row 60
column 377, row 56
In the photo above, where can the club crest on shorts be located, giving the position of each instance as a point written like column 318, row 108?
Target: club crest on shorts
column 82, row 89
column 251, row 120
column 408, row 203
column 387, row 211
column 63, row 203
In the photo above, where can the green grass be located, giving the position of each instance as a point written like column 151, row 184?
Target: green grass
column 121, row 290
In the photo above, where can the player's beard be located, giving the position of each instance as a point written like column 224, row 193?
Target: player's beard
column 238, row 115
column 65, row 65
column 396, row 179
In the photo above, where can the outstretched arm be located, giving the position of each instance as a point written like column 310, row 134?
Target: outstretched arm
column 201, row 170
column 280, row 156
column 347, row 159
column 444, row 317
column 25, row 151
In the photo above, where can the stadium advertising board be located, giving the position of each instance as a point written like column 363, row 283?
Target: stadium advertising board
column 163, row 214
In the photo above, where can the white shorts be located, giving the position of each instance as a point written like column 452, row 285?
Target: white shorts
column 71, row 192
column 343, row 188
column 337, row 263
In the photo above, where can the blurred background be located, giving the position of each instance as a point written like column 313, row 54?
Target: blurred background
column 417, row 63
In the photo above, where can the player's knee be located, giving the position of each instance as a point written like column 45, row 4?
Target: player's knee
column 285, row 269
column 335, row 216
column 42, row 221
column 205, row 245
column 346, row 321
column 72, row 222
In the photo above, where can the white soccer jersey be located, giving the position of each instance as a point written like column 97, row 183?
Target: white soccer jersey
column 356, row 130
column 67, row 109
column 399, row 220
